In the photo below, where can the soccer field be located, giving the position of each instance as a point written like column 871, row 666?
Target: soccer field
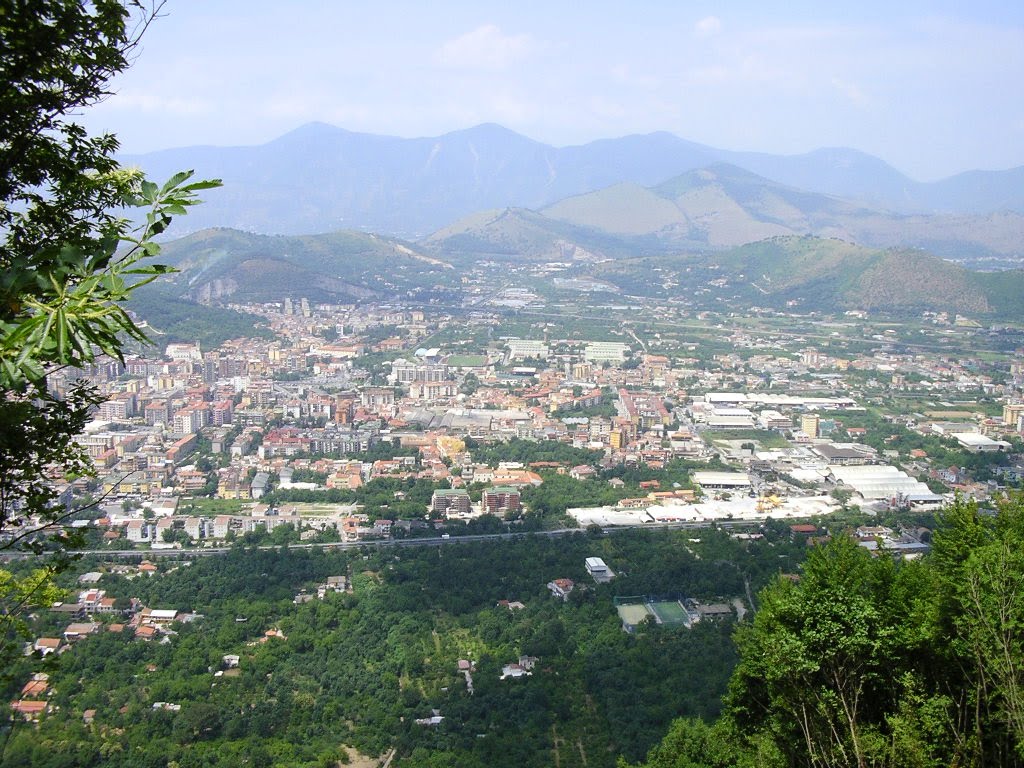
column 669, row 613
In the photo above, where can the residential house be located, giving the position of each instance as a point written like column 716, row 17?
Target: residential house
column 139, row 531
column 48, row 645
column 78, row 630
column 561, row 588
column 29, row 710
column 582, row 472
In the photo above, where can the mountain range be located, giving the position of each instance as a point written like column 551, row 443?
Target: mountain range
column 320, row 178
column 642, row 215
column 715, row 207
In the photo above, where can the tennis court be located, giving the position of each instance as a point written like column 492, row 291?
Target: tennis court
column 632, row 614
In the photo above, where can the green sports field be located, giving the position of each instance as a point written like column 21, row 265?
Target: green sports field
column 634, row 613
column 633, row 610
column 669, row 613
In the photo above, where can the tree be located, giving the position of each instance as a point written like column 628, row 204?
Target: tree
column 69, row 255
column 817, row 664
column 979, row 564
column 470, row 384
column 693, row 744
column 179, row 535
column 841, row 493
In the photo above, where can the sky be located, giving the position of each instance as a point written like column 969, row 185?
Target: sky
column 933, row 88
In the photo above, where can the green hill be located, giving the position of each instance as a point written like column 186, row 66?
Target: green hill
column 825, row 275
column 626, row 209
column 524, row 235
column 717, row 206
column 217, row 266
column 722, row 206
column 169, row 318
column 339, row 267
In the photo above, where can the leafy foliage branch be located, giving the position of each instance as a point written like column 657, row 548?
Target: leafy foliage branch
column 70, row 256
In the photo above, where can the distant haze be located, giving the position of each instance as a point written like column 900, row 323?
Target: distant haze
column 320, row 178
column 932, row 88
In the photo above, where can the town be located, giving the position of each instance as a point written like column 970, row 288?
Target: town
column 373, row 421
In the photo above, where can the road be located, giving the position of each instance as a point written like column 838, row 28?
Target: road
column 379, row 543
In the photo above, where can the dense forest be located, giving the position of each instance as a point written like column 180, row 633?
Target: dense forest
column 356, row 669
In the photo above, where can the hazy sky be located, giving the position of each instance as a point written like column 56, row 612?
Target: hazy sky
column 933, row 88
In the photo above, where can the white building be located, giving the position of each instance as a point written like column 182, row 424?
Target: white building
column 520, row 348
column 222, row 524
column 978, row 443
column 597, row 568
column 605, row 352
column 139, row 531
column 184, row 352
column 882, row 482
column 771, row 419
column 735, row 481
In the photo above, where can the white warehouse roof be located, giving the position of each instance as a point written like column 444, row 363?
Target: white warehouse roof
column 882, row 482
column 721, row 479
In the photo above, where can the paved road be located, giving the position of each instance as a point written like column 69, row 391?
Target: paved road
column 414, row 542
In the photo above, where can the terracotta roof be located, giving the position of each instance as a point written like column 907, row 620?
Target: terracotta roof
column 28, row 707
column 34, row 688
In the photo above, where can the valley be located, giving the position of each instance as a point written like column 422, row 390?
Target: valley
column 554, row 440
column 388, row 488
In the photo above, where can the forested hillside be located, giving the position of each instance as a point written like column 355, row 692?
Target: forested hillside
column 864, row 662
column 820, row 274
column 357, row 668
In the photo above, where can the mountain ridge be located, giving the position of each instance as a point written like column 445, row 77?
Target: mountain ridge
column 320, row 177
column 723, row 206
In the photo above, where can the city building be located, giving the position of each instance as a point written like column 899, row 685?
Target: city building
column 605, row 352
column 500, row 500
column 450, row 502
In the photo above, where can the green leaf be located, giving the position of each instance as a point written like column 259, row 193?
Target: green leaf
column 175, row 180
column 200, row 185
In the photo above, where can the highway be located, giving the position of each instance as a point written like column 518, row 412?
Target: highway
column 190, row 553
